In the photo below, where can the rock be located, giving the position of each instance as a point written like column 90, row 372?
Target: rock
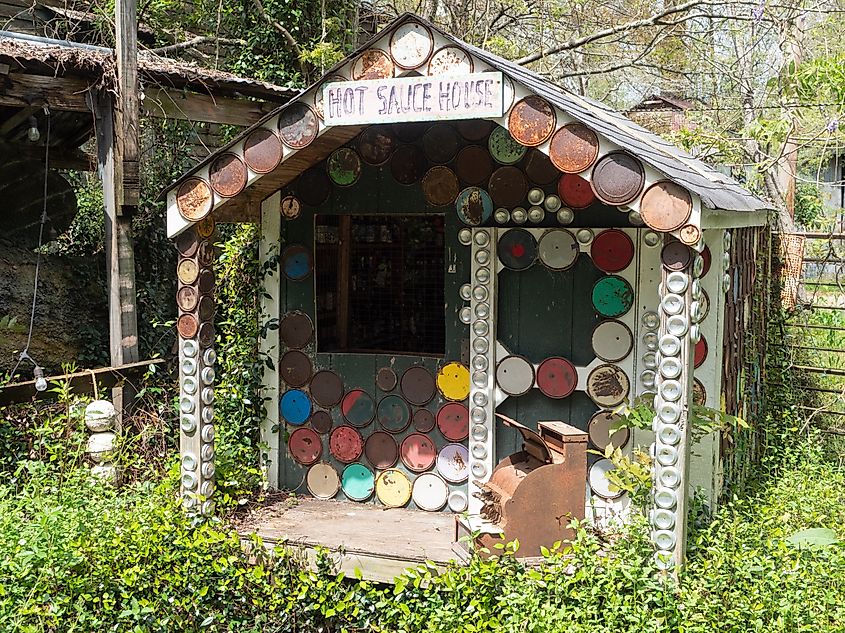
column 100, row 446
column 100, row 416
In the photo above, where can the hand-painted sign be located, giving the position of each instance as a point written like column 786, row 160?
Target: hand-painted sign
column 470, row 96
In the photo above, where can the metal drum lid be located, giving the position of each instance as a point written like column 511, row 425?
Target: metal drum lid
column 517, row 249
column 343, row 166
column 187, row 298
column 424, row 420
column 290, row 207
column 665, row 206
column 386, row 379
column 450, row 60
column 418, row 452
column 206, row 308
column 296, row 262
column 612, row 340
column 707, row 257
column 474, row 206
column 608, row 385
column 453, row 421
column 376, row 144
column 187, row 326
column 618, row 178
column 612, row 296
column 346, row 444
column 474, row 130
column 556, row 377
column 205, row 281
column 430, row 492
column 305, row 446
column 187, row 243
column 194, row 199
column 313, row 187
column 474, row 165
column 410, row 132
column 358, row 407
column 295, row 407
column 372, row 64
column 318, row 93
column 575, row 191
column 295, row 368
column 532, row 120
column 440, row 186
column 408, row 164
column 205, row 254
column 205, row 227
column 227, row 175
column 393, row 488
column 612, row 250
column 358, row 482
column 558, row 249
column 504, row 148
column 262, row 150
column 457, row 501
column 296, row 330
column 323, row 481
column 699, row 393
column 700, row 353
column 574, row 148
column 676, row 255
column 453, row 381
column 600, row 434
column 321, row 422
column 411, row 45
column 417, row 385
column 206, row 334
column 539, row 168
column 515, row 375
column 187, row 271
column 690, row 234
column 440, row 143
column 394, row 414
column 381, row 450
column 453, row 463
column 298, row 125
column 599, row 482
column 508, row 187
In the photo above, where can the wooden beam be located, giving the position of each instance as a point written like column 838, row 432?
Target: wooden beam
column 128, row 104
column 60, row 158
column 16, row 119
column 173, row 104
column 60, row 93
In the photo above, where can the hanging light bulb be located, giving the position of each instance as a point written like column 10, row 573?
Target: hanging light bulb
column 40, row 381
column 33, row 134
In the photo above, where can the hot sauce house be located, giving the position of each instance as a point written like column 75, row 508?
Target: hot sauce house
column 471, row 270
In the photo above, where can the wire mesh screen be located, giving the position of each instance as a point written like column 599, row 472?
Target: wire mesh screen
column 379, row 284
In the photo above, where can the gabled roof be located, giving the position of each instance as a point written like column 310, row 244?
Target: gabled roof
column 715, row 190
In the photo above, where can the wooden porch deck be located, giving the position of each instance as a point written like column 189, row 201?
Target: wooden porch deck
column 380, row 542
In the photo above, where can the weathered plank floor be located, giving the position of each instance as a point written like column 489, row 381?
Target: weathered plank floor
column 380, row 542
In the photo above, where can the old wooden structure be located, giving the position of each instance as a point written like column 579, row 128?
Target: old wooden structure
column 469, row 271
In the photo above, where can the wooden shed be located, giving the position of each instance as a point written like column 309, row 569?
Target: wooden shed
column 468, row 271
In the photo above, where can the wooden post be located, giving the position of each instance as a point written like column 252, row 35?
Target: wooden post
column 126, row 38
column 269, row 249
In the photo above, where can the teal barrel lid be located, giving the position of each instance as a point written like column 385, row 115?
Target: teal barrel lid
column 358, row 407
column 474, row 206
column 394, row 414
column 612, row 296
column 358, row 482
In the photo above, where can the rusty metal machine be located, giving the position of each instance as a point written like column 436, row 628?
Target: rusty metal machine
column 534, row 494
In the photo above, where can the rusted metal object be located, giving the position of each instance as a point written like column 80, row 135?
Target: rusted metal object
column 574, row 148
column 618, row 178
column 263, row 150
column 508, row 187
column 575, row 191
column 290, row 207
column 321, row 421
column 313, row 187
column 539, row 168
column 296, row 330
column 386, row 379
column 206, row 282
column 206, row 309
column 440, row 143
column 411, row 44
column 295, row 368
column 346, row 444
column 504, row 149
column 206, row 334
column 376, row 144
column 423, row 420
column 675, row 255
column 440, row 186
column 305, row 446
column 326, row 387
column 608, row 385
column 194, row 199
column 393, row 414
column 708, row 259
column 450, row 60
column 205, row 227
column 474, row 165
column 532, row 120
column 474, row 206
column 205, row 254
column 373, row 63
column 417, row 385
column 187, row 326
column 515, row 375
column 318, row 94
column 187, row 243
column 517, row 249
column 666, row 206
column 699, row 393
column 344, row 167
column 690, row 234
column 298, row 126
column 187, row 298
column 381, row 450
column 187, row 271
column 228, row 175
column 474, row 130
column 408, row 164
column 598, row 428
column 557, row 377
column 358, row 407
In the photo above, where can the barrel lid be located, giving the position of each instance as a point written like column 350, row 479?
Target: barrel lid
column 298, row 126
column 474, row 165
column 575, row 191
column 532, row 120
column 358, row 482
column 558, row 249
column 474, row 206
column 440, row 143
column 612, row 250
column 599, row 482
column 408, row 164
column 539, row 168
column 453, row 463
column 612, row 340
column 393, row 488
column 386, row 379
column 417, row 385
column 381, row 450
column 418, row 452
column 321, row 422
column 618, row 178
column 424, row 420
column 411, row 44
column 440, row 186
column 262, row 150
column 453, row 381
column 358, row 407
column 323, row 481
column 228, row 175
column 608, row 385
column 612, row 296
column 507, row 187
column 504, row 148
column 305, row 446
column 557, row 377
column 295, row 407
column 515, row 375
column 574, row 148
column 343, row 166
column 296, row 329
column 194, row 199
column 430, row 492
column 517, row 249
column 598, row 429
column 453, row 421
column 346, row 444
column 296, row 262
column 376, row 144
column 666, row 206
column 393, row 413
column 295, row 368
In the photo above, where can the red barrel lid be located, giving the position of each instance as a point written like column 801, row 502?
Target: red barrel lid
column 612, row 250
column 705, row 255
column 262, row 150
column 575, row 191
column 557, row 377
column 418, row 452
column 358, row 407
column 700, row 353
column 346, row 444
column 305, row 446
column 453, row 421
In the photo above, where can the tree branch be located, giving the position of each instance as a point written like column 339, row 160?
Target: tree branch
column 292, row 43
column 195, row 41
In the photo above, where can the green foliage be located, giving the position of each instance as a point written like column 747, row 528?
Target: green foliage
column 809, row 207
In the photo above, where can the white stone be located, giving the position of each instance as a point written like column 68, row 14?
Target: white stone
column 100, row 416
column 106, row 473
column 100, row 446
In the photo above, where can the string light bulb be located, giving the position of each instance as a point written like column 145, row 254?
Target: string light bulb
column 33, row 134
column 40, row 381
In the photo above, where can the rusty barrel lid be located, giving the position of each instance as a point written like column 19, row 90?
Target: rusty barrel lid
column 313, row 186
column 574, row 148
column 295, row 368
column 411, row 44
column 676, row 255
column 262, row 150
column 690, row 234
column 381, row 450
column 699, row 393
column 290, row 207
column 700, row 352
column 504, row 148
column 430, row 492
column 517, row 249
column 612, row 340
column 321, row 421
column 558, row 249
column 393, row 414
column 227, row 175
column 205, row 227
column 295, row 407
column 205, row 281
column 346, row 444
column 575, row 191
column 539, row 168
column 417, row 385
column 424, row 420
column 326, row 388
column 205, row 254
column 187, row 271
column 194, row 199
column 474, row 165
column 440, row 143
column 612, row 250
column 187, row 298
column 358, row 407
column 618, row 178
column 322, row 481
column 358, row 482
column 508, row 187
column 453, row 463
column 386, row 379
column 206, row 334
column 376, row 144
column 207, row 308
column 408, row 164
column 608, row 385
column 298, row 125
column 373, row 63
column 440, row 186
column 705, row 255
column 296, row 262
column 187, row 243
column 556, row 377
column 305, row 446
column 450, row 60
column 612, row 296
column 515, row 375
column 187, row 326
column 318, row 94
column 393, row 488
column 474, row 130
column 598, row 429
column 665, row 206
column 532, row 120
column 296, row 329
column 418, row 452
column 453, row 421
column 474, row 206
column 344, row 167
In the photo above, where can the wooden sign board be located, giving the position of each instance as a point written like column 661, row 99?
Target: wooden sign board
column 405, row 99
